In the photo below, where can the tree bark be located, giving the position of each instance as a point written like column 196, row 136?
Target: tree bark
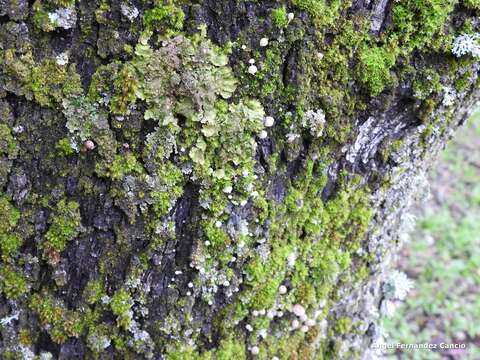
column 220, row 179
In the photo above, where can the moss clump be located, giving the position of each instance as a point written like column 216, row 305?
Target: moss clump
column 374, row 68
column 280, row 17
column 426, row 82
column 12, row 282
column 10, row 240
column 40, row 17
column 417, row 22
column 9, row 244
column 64, row 227
column 472, row 4
column 121, row 305
column 47, row 81
column 98, row 339
column 60, row 323
column 8, row 144
column 343, row 325
column 324, row 13
column 122, row 165
column 64, row 147
column 167, row 19
column 125, row 85
column 94, row 291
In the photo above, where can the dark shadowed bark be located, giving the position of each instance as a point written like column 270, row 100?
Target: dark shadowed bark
column 220, row 179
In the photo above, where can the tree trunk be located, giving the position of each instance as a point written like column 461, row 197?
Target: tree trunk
column 217, row 179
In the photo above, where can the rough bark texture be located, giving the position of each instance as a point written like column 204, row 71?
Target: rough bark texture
column 215, row 179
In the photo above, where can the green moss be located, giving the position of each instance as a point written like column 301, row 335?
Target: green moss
column 426, row 82
column 323, row 12
column 121, row 305
column 343, row 325
column 374, row 68
column 280, row 17
column 8, row 144
column 217, row 237
column 165, row 18
column 40, row 17
column 60, row 323
column 471, row 4
column 99, row 337
column 9, row 244
column 10, row 239
column 125, row 85
column 463, row 82
column 64, row 147
column 64, row 227
column 94, row 291
column 230, row 348
column 64, row 3
column 12, row 282
column 10, row 214
column 122, row 165
column 47, row 81
column 416, row 23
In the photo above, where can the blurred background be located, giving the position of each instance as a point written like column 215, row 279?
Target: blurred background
column 443, row 258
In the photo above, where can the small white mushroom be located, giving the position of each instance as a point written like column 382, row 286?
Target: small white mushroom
column 298, row 310
column 89, row 145
column 263, row 134
column 282, row 289
column 269, row 121
column 263, row 42
column 252, row 69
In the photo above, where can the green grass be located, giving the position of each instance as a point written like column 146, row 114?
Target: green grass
column 443, row 257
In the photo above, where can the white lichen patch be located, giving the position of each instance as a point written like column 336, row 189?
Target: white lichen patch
column 8, row 319
column 397, row 285
column 314, row 121
column 466, row 44
column 62, row 59
column 449, row 96
column 129, row 11
column 63, row 17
